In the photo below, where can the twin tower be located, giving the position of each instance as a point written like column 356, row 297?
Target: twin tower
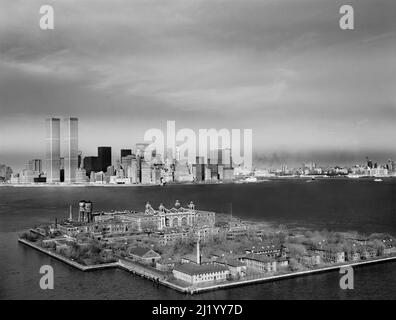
column 53, row 142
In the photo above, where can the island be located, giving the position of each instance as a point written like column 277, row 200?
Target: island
column 193, row 250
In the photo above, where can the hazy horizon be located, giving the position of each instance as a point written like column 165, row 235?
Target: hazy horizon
column 308, row 90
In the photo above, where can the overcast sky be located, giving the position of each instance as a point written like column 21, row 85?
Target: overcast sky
column 283, row 68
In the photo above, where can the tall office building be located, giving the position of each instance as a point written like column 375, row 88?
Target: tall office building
column 70, row 149
column 127, row 161
column 125, row 152
column 91, row 164
column 80, row 158
column 104, row 158
column 140, row 149
column 52, row 149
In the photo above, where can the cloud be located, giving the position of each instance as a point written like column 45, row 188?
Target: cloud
column 275, row 66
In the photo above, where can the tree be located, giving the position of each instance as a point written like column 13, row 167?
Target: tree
column 296, row 250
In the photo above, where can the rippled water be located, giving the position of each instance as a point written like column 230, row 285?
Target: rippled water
column 366, row 206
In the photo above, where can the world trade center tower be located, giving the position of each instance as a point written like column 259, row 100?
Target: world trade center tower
column 70, row 148
column 52, row 149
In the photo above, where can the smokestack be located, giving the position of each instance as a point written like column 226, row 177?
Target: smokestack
column 70, row 213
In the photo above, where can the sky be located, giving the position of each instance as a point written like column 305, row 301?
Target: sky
column 283, row 68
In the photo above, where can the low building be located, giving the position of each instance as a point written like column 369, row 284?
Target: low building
column 236, row 232
column 259, row 263
column 369, row 253
column 310, row 260
column 144, row 255
column 164, row 238
column 282, row 262
column 331, row 256
column 165, row 265
column 353, row 256
column 198, row 273
column 271, row 250
column 236, row 267
column 389, row 246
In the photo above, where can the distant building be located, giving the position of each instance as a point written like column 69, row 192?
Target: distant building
column 156, row 174
column 104, row 158
column 35, row 165
column 5, row 173
column 133, row 172
column 52, row 149
column 81, row 176
column 125, row 152
column 145, row 172
column 62, row 169
column 140, row 149
column 70, row 149
column 127, row 160
column 182, row 172
column 199, row 170
column 91, row 164
column 98, row 177
column 228, row 174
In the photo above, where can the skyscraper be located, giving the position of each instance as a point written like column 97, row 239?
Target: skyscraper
column 104, row 158
column 70, row 148
column 140, row 148
column 52, row 149
column 125, row 152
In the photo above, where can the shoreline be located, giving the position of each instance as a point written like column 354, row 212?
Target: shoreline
column 130, row 267
column 237, row 182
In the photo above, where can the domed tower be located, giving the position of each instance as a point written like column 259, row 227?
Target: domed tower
column 191, row 214
column 161, row 208
column 177, row 204
column 81, row 211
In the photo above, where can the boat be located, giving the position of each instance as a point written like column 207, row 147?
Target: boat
column 378, row 180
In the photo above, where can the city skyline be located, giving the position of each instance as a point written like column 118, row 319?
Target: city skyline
column 64, row 162
column 304, row 86
column 68, row 140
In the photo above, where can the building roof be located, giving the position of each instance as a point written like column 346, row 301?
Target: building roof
column 265, row 247
column 231, row 262
column 257, row 257
column 196, row 269
column 141, row 251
